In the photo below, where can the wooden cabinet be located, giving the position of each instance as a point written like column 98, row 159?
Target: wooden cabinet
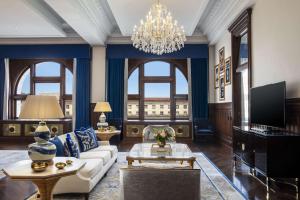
column 243, row 146
column 14, row 130
column 273, row 154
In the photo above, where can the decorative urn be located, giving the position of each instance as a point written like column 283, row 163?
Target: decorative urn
column 42, row 150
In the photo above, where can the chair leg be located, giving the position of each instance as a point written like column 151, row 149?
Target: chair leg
column 86, row 196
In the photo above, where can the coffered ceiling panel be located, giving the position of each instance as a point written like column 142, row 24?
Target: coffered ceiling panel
column 129, row 12
column 19, row 19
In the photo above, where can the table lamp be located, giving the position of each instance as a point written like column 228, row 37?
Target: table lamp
column 41, row 107
column 102, row 107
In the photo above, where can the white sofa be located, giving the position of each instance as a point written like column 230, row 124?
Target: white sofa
column 98, row 161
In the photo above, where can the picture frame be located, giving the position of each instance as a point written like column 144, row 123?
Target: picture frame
column 222, row 60
column 222, row 87
column 216, row 71
column 228, row 71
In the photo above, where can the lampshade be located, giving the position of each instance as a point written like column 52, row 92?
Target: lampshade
column 102, row 107
column 41, row 107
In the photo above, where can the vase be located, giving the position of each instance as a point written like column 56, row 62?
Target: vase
column 42, row 150
column 161, row 143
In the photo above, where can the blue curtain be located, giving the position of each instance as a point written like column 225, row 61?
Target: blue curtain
column 2, row 85
column 199, row 72
column 115, row 88
column 83, row 87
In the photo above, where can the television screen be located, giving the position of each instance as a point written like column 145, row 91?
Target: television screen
column 268, row 105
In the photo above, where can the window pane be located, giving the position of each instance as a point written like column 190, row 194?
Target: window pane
column 24, row 83
column 157, row 68
column 244, row 97
column 244, row 49
column 182, row 108
column 68, row 108
column 133, row 109
column 133, row 82
column 50, row 89
column 157, row 108
column 157, row 90
column 19, row 104
column 157, row 100
column 47, row 69
column 181, row 83
column 69, row 82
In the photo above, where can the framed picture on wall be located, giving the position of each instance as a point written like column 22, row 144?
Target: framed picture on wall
column 228, row 71
column 222, row 87
column 216, row 76
column 222, row 60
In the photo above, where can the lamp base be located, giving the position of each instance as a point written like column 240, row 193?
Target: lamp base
column 42, row 150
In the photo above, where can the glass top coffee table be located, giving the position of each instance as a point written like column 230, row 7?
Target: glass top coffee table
column 179, row 152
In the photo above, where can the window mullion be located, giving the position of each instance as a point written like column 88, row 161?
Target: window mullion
column 172, row 93
column 141, row 92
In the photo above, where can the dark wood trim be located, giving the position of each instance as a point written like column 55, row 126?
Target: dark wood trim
column 238, row 28
column 180, row 64
column 220, row 114
column 19, row 66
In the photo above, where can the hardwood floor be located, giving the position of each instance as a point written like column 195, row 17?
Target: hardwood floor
column 220, row 155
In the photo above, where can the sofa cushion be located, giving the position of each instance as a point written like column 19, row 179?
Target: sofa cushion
column 63, row 137
column 104, row 155
column 91, row 168
column 111, row 148
column 87, row 139
column 72, row 147
column 59, row 146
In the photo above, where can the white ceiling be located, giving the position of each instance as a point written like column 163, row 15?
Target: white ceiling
column 98, row 22
column 19, row 19
column 129, row 12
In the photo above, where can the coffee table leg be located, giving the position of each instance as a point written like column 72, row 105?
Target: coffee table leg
column 45, row 187
column 130, row 161
column 192, row 163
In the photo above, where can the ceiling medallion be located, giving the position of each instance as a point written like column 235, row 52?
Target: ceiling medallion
column 159, row 34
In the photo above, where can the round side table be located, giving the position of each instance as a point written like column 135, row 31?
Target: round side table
column 106, row 135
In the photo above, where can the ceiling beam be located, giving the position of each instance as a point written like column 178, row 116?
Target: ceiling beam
column 86, row 17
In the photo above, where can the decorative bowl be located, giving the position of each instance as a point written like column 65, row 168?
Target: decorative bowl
column 60, row 165
column 39, row 166
column 69, row 162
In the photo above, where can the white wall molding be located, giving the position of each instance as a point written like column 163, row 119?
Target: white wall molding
column 219, row 15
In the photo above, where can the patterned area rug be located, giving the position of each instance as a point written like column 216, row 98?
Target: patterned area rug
column 214, row 185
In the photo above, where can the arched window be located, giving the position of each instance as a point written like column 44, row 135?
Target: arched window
column 157, row 90
column 42, row 78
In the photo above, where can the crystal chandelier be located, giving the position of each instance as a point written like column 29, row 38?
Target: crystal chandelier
column 159, row 33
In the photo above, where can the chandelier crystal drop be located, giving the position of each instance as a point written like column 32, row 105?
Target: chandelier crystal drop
column 159, row 33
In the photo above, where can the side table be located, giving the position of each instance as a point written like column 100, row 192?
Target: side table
column 46, row 180
column 106, row 135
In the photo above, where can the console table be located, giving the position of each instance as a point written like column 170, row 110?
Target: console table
column 274, row 154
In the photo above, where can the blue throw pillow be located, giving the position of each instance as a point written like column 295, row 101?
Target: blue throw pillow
column 59, row 146
column 87, row 139
column 72, row 147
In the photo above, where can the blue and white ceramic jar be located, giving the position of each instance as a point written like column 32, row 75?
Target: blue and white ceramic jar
column 42, row 149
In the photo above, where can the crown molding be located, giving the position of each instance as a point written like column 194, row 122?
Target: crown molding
column 67, row 40
column 219, row 15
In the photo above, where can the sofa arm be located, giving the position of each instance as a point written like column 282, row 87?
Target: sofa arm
column 103, row 143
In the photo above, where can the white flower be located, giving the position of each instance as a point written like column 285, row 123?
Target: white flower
column 163, row 134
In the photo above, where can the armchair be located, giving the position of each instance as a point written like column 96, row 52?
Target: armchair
column 148, row 132
column 203, row 130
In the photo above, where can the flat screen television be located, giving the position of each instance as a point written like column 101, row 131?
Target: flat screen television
column 268, row 105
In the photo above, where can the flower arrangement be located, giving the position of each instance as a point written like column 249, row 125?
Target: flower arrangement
column 161, row 136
